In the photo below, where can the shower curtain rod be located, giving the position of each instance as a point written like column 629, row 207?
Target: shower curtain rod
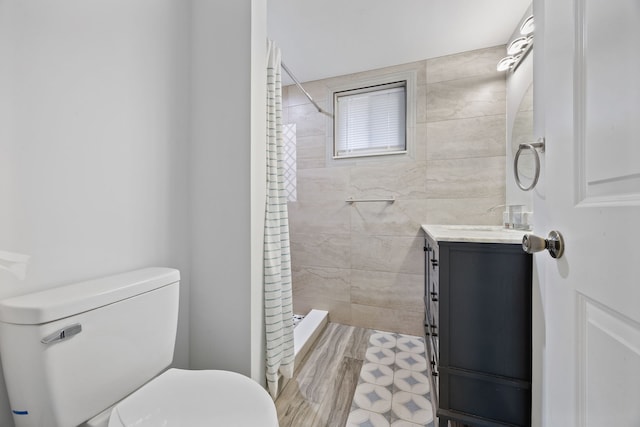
column 315, row 104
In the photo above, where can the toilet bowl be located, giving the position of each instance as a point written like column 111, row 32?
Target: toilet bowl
column 196, row 399
column 89, row 352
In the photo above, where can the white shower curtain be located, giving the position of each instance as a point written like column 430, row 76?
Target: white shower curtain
column 277, row 255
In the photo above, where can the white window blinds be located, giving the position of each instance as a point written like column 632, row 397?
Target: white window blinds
column 370, row 121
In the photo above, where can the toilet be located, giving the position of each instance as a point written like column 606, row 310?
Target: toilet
column 94, row 354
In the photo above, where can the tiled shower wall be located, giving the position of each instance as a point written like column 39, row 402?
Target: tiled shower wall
column 364, row 262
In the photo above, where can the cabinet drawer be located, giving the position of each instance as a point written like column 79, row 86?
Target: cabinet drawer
column 496, row 400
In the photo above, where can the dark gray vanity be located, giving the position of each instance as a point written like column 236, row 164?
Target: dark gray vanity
column 478, row 324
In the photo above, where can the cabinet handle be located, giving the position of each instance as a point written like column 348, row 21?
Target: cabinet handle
column 433, row 368
column 434, row 262
column 434, row 296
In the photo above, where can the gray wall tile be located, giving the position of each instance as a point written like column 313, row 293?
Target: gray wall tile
column 309, row 122
column 325, row 217
column 323, row 185
column 463, row 138
column 466, row 178
column 320, row 282
column 364, row 262
column 320, row 250
column 387, row 290
column 387, row 319
column 401, row 218
column 399, row 179
column 311, row 152
column 387, row 253
column 471, row 97
column 463, row 65
column 479, row 211
column 339, row 311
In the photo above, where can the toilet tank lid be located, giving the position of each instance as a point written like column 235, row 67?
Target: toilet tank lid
column 64, row 301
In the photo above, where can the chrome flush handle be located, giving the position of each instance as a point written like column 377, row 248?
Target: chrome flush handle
column 62, row 334
column 554, row 243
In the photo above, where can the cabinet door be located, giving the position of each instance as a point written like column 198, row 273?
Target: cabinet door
column 486, row 292
column 485, row 332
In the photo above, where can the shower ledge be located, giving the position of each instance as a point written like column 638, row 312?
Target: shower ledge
column 307, row 331
column 304, row 335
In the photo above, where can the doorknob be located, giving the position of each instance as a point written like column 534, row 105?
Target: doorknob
column 554, row 243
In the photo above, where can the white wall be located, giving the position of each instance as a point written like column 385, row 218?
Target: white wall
column 258, row 184
column 93, row 142
column 227, row 41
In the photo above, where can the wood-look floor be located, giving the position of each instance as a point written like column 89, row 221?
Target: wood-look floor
column 320, row 392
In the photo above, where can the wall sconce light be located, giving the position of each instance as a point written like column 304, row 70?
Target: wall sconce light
column 527, row 26
column 507, row 63
column 518, row 47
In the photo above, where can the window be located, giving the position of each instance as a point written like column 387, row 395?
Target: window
column 290, row 168
column 370, row 121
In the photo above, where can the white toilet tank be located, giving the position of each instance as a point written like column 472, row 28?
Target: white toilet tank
column 69, row 353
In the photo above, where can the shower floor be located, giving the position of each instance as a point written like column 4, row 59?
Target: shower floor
column 297, row 318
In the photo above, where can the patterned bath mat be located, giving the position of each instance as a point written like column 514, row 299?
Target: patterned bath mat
column 393, row 389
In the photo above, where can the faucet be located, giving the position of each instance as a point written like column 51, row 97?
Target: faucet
column 493, row 208
column 513, row 216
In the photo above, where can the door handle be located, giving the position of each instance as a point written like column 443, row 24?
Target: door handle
column 554, row 243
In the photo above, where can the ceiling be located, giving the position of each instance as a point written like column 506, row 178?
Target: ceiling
column 328, row 38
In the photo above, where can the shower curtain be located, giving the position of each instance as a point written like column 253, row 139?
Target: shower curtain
column 277, row 255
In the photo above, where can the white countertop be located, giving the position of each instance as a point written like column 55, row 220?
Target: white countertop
column 474, row 233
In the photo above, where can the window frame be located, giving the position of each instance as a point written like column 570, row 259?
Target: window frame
column 407, row 73
column 364, row 90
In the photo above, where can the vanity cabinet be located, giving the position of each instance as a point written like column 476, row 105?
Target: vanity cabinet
column 478, row 330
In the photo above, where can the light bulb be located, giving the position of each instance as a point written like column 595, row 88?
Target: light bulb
column 518, row 45
column 527, row 26
column 506, row 63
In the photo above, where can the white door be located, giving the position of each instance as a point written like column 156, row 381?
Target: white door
column 588, row 80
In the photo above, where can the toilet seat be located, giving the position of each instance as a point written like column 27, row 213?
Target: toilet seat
column 179, row 398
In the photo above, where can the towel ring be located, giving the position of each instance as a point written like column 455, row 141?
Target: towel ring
column 533, row 147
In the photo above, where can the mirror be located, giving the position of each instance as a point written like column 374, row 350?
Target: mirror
column 522, row 133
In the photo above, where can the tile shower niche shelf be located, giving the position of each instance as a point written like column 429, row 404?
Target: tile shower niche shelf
column 478, row 324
